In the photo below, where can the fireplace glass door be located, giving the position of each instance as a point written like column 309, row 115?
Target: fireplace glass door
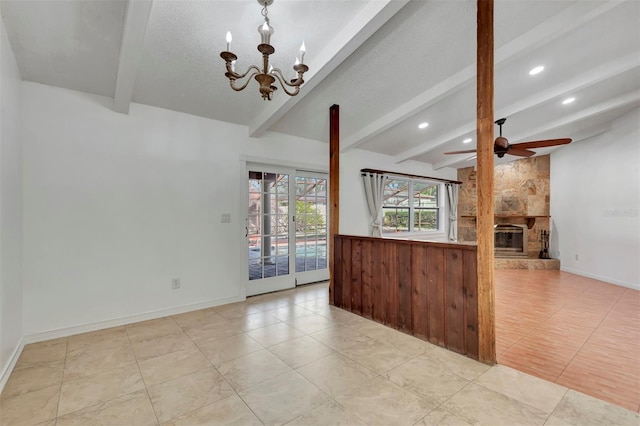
column 510, row 239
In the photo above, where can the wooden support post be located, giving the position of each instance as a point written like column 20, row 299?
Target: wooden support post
column 485, row 209
column 334, row 188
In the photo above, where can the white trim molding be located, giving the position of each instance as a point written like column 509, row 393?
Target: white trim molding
column 620, row 283
column 100, row 325
column 4, row 377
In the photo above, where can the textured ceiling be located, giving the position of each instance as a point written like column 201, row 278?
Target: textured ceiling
column 389, row 64
column 71, row 44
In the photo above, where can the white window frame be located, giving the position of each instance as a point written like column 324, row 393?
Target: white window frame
column 441, row 209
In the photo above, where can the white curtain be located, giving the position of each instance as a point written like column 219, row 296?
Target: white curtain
column 374, row 193
column 452, row 197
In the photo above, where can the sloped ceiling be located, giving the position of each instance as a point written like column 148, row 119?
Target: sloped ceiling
column 389, row 64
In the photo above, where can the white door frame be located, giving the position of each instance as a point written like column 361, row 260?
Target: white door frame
column 269, row 163
column 279, row 282
column 313, row 276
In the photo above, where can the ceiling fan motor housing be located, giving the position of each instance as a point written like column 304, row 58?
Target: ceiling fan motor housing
column 500, row 146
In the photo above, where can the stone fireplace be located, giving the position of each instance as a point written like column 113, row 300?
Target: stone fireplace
column 521, row 208
column 510, row 240
column 521, row 195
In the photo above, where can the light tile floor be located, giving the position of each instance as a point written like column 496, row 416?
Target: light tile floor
column 283, row 358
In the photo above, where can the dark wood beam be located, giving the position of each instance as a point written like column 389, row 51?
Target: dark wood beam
column 485, row 220
column 334, row 189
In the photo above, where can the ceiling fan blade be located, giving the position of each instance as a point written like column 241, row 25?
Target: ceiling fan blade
column 541, row 144
column 468, row 151
column 521, row 152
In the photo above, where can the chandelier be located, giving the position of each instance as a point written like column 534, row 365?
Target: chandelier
column 268, row 75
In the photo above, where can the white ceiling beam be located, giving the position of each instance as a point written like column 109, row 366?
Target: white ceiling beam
column 584, row 114
column 418, row 103
column 601, row 108
column 135, row 26
column 373, row 16
column 586, row 79
column 550, row 29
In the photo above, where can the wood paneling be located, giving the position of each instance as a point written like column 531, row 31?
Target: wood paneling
column 377, row 268
column 404, row 288
column 390, row 285
column 422, row 288
column 356, row 277
column 454, row 301
column 367, row 288
column 345, row 262
column 336, row 294
column 435, row 292
column 470, row 278
column 419, row 296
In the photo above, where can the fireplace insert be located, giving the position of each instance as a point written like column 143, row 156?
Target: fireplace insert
column 510, row 240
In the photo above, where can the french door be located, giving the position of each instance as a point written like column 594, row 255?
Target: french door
column 311, row 227
column 286, row 228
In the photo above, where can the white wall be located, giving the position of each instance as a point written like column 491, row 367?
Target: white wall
column 117, row 205
column 354, row 216
column 10, row 208
column 595, row 202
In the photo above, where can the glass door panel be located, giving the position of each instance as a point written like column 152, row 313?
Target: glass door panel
column 267, row 231
column 311, row 227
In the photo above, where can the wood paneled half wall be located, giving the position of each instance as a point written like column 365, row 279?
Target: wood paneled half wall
column 426, row 289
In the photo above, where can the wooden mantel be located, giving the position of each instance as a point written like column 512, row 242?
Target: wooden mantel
column 530, row 219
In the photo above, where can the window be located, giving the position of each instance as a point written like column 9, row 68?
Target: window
column 411, row 205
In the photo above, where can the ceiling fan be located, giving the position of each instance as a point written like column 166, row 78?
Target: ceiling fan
column 502, row 146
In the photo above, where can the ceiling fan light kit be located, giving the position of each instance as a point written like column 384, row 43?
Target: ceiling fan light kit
column 502, row 146
column 267, row 75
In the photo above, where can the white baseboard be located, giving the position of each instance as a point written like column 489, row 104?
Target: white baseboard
column 601, row 278
column 99, row 325
column 8, row 369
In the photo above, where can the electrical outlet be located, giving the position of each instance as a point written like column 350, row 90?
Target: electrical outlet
column 225, row 218
column 175, row 283
column 577, row 257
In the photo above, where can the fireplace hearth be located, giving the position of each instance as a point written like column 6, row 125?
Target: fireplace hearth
column 510, row 240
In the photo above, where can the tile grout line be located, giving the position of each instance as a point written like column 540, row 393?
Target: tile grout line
column 257, row 384
column 64, row 366
column 84, row 377
column 146, row 388
column 211, row 366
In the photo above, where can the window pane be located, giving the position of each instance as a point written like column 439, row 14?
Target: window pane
column 282, row 264
column 281, row 225
column 425, row 219
column 395, row 220
column 308, row 217
column 282, row 184
column 425, row 194
column 396, row 193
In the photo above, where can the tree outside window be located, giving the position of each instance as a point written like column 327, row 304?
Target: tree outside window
column 410, row 206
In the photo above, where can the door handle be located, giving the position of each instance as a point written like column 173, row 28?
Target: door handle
column 246, row 232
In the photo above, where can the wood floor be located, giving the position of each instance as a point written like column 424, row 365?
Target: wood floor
column 575, row 331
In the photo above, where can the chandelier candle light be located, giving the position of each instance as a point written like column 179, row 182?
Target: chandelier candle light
column 266, row 76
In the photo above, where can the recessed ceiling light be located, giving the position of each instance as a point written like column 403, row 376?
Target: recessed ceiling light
column 467, row 140
column 568, row 101
column 536, row 70
column 423, row 125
